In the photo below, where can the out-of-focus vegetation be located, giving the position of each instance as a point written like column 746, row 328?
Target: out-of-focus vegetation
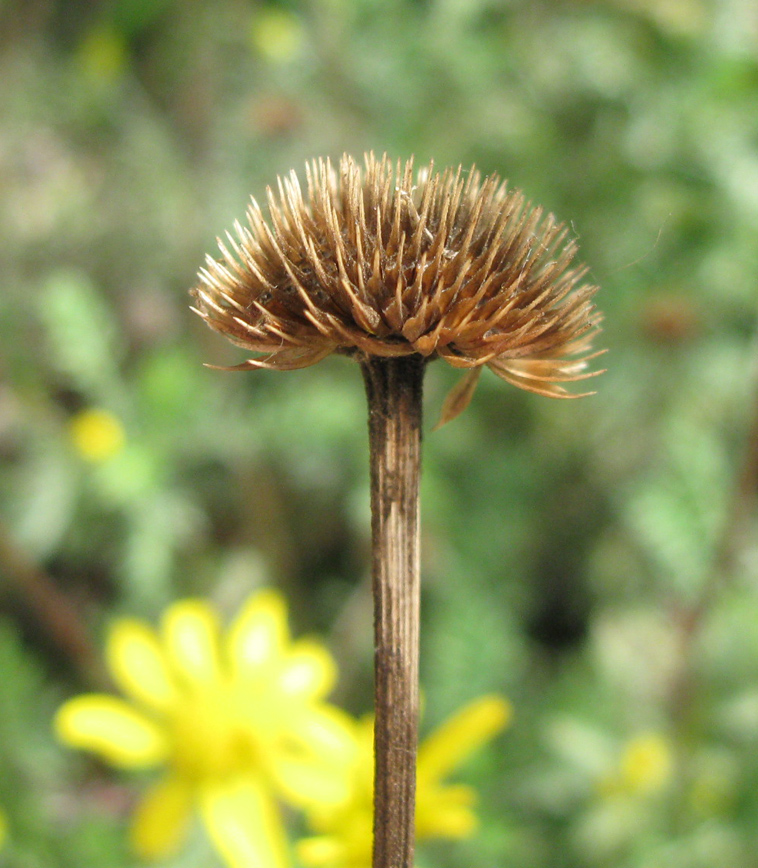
column 595, row 561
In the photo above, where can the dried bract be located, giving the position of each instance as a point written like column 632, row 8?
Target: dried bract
column 382, row 261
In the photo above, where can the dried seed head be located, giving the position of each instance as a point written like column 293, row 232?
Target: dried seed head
column 384, row 262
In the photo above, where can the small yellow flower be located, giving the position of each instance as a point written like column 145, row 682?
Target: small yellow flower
column 236, row 720
column 646, row 764
column 102, row 55
column 97, row 435
column 443, row 810
column 277, row 35
column 644, row 767
column 3, row 829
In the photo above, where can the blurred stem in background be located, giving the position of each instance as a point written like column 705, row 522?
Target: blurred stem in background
column 51, row 609
column 739, row 508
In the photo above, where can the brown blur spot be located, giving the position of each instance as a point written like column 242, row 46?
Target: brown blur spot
column 275, row 115
column 670, row 319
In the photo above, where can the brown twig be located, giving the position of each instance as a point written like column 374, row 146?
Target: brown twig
column 52, row 610
column 393, row 388
column 691, row 619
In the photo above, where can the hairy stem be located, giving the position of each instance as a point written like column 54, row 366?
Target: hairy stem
column 393, row 388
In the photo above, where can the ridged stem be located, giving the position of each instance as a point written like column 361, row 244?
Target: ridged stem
column 393, row 389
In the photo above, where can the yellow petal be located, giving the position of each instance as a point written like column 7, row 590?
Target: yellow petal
column 445, row 812
column 316, row 761
column 160, row 822
column 244, row 824
column 135, row 658
column 323, row 851
column 461, row 735
column 454, row 823
column 327, row 732
column 303, row 783
column 111, row 728
column 191, row 636
column 309, row 671
column 259, row 633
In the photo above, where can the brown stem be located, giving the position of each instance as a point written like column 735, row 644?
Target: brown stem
column 393, row 388
column 727, row 549
column 53, row 611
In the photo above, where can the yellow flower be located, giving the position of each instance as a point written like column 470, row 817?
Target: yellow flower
column 276, row 34
column 236, row 720
column 102, row 55
column 644, row 767
column 646, row 763
column 442, row 810
column 3, row 829
column 97, row 434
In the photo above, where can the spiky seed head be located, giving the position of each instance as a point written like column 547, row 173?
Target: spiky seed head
column 385, row 261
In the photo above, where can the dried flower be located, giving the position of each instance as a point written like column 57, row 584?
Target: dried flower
column 396, row 270
column 377, row 263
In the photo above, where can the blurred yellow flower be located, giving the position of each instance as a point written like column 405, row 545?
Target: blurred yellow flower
column 3, row 828
column 343, row 838
column 97, row 434
column 102, row 54
column 237, row 720
column 276, row 34
column 646, row 763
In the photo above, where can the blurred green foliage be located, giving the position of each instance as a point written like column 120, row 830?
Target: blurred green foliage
column 596, row 561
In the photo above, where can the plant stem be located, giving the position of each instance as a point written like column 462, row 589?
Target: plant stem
column 56, row 616
column 393, row 389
